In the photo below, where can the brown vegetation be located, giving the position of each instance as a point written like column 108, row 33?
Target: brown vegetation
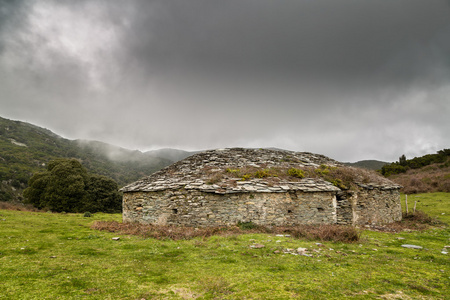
column 419, row 217
column 339, row 233
column 17, row 206
column 336, row 233
column 347, row 177
column 343, row 177
column 430, row 179
column 162, row 231
column 417, row 220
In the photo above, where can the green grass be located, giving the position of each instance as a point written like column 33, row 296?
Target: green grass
column 58, row 256
column 434, row 204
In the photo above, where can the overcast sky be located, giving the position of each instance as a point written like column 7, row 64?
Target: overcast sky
column 349, row 79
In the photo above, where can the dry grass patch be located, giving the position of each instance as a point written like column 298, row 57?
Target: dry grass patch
column 343, row 177
column 420, row 217
column 163, row 231
column 346, row 177
column 17, row 206
column 337, row 233
column 417, row 220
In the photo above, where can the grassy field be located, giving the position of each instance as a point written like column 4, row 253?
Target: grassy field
column 434, row 204
column 58, row 256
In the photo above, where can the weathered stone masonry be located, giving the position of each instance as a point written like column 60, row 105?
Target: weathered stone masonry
column 167, row 198
column 197, row 208
column 376, row 205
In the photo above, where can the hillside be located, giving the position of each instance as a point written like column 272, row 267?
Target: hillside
column 171, row 154
column 26, row 149
column 428, row 173
column 429, row 179
column 367, row 164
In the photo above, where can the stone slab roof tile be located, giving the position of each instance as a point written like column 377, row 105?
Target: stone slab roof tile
column 197, row 171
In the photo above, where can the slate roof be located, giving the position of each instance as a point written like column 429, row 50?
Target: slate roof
column 197, row 171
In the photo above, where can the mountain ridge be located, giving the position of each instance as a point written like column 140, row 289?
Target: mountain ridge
column 369, row 164
column 26, row 149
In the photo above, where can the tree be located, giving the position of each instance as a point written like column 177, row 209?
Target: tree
column 402, row 160
column 101, row 195
column 34, row 194
column 67, row 186
column 444, row 152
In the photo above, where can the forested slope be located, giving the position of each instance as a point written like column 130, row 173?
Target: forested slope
column 428, row 173
column 26, row 149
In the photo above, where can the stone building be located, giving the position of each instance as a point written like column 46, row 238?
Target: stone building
column 263, row 186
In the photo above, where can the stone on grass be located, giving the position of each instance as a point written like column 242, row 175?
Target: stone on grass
column 412, row 246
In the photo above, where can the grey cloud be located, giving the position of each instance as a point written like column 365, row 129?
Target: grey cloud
column 349, row 79
column 326, row 39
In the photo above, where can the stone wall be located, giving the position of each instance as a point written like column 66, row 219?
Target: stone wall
column 198, row 208
column 376, row 206
column 344, row 209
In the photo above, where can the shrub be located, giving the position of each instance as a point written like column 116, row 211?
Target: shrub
column 247, row 225
column 233, row 171
column 261, row 173
column 87, row 214
column 246, row 177
column 67, row 186
column 298, row 173
column 323, row 170
column 420, row 217
column 5, row 196
column 393, row 168
column 338, row 183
